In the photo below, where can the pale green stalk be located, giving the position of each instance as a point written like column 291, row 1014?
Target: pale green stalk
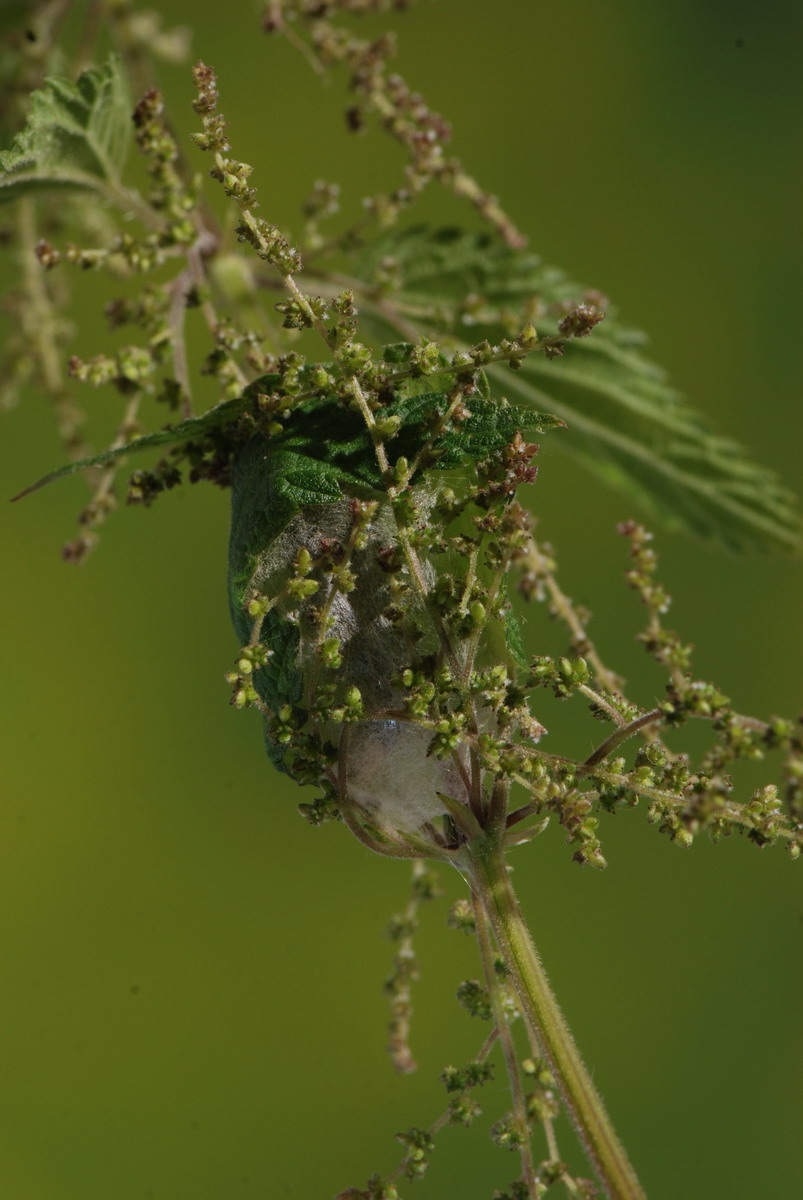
column 488, row 874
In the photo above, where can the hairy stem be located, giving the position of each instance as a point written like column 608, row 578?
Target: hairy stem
column 490, row 880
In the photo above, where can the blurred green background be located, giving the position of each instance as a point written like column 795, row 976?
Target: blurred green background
column 191, row 976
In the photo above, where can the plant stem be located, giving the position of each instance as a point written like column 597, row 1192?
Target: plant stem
column 490, row 880
column 622, row 733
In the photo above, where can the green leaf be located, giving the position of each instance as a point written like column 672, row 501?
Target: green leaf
column 624, row 421
column 185, row 431
column 336, row 440
column 514, row 639
column 329, row 444
column 490, row 427
column 280, row 681
column 632, row 432
column 76, row 136
column 270, row 484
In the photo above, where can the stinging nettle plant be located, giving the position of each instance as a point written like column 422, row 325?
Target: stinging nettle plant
column 370, row 393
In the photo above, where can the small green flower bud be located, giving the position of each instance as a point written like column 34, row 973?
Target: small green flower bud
column 453, row 1080
column 463, row 1110
column 475, row 999
column 302, row 588
column 321, row 377
column 387, row 428
column 330, row 653
column 507, row 1134
column 477, row 612
column 461, row 916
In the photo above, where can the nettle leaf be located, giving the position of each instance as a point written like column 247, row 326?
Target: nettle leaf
column 324, row 443
column 490, row 427
column 330, row 444
column 633, row 432
column 76, row 136
column 186, row 431
column 273, row 479
column 261, row 508
column 624, row 421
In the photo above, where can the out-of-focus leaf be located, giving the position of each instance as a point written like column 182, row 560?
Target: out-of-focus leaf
column 632, row 431
column 76, row 136
column 624, row 421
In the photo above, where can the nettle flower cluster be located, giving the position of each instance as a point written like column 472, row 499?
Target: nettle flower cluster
column 380, row 642
column 385, row 671
column 383, row 649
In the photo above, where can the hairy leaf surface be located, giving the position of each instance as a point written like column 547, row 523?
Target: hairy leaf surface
column 76, row 136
